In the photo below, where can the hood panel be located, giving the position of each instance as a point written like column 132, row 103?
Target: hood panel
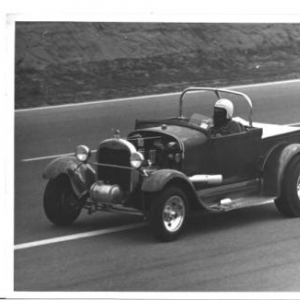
column 187, row 136
column 171, row 139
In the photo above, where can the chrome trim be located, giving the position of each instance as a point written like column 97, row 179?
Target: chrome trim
column 86, row 149
column 131, row 148
column 113, row 166
column 238, row 203
column 139, row 158
column 122, row 141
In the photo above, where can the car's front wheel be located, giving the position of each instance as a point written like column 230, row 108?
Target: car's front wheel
column 289, row 201
column 168, row 213
column 61, row 205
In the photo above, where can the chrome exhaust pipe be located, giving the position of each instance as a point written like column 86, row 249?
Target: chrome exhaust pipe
column 209, row 179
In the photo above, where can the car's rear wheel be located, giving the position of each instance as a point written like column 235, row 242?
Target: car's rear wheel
column 61, row 205
column 168, row 213
column 289, row 202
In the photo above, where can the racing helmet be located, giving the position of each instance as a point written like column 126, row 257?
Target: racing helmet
column 227, row 105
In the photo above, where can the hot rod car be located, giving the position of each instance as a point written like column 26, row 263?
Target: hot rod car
column 165, row 169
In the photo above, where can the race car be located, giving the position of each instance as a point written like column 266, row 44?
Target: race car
column 166, row 169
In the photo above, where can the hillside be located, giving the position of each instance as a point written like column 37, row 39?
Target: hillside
column 63, row 62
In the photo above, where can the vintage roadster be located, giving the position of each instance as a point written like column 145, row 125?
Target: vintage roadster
column 166, row 169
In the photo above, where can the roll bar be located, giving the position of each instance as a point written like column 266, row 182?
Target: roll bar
column 218, row 94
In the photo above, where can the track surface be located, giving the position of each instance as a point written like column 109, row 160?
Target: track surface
column 254, row 249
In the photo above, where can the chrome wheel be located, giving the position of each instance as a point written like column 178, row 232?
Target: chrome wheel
column 298, row 188
column 168, row 213
column 173, row 213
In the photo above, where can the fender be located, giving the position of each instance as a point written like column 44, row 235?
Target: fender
column 157, row 180
column 275, row 165
column 81, row 175
column 286, row 156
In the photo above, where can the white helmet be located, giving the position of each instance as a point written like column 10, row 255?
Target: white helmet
column 227, row 105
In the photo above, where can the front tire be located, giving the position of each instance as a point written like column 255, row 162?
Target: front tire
column 288, row 203
column 168, row 213
column 61, row 205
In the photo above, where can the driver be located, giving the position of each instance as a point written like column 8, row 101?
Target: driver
column 222, row 117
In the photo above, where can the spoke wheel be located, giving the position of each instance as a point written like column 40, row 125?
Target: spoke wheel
column 168, row 213
column 289, row 201
column 61, row 205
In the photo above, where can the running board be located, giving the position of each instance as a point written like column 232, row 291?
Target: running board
column 239, row 188
column 228, row 204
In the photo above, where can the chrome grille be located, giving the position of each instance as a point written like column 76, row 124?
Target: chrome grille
column 118, row 156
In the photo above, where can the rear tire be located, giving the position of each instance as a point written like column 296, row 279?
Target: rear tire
column 61, row 205
column 288, row 203
column 168, row 213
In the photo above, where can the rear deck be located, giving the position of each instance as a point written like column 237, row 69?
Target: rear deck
column 269, row 130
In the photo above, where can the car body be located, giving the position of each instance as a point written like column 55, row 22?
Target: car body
column 165, row 169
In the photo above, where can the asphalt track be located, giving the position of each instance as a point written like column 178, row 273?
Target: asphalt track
column 254, row 249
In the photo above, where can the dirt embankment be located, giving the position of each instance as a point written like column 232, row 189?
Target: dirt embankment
column 62, row 62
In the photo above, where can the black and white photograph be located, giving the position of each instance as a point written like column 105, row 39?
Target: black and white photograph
column 155, row 153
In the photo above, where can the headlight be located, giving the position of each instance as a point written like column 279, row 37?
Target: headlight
column 82, row 153
column 136, row 159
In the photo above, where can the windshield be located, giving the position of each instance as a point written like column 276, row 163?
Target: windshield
column 202, row 121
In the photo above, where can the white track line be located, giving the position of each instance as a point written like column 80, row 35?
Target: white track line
column 77, row 236
column 46, row 157
column 97, row 102
column 50, row 156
